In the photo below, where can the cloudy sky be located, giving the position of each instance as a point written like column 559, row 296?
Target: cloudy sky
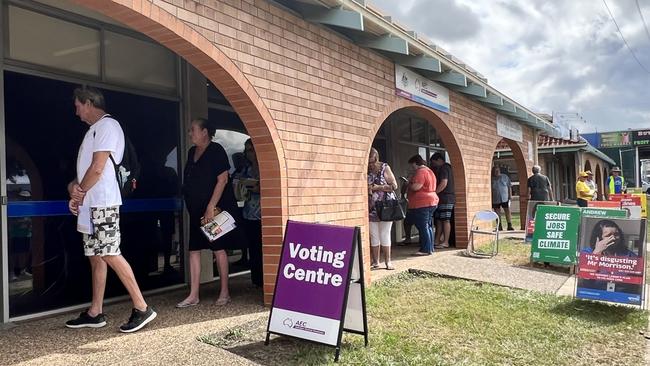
column 549, row 55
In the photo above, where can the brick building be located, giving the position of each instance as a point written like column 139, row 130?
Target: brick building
column 312, row 83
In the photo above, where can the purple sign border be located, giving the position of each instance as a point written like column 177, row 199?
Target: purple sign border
column 356, row 244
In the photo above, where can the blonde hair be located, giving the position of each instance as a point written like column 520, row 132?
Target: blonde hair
column 377, row 164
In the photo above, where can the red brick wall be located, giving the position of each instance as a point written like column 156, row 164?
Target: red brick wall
column 312, row 102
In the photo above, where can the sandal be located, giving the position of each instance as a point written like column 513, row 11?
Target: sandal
column 222, row 301
column 186, row 304
column 389, row 266
column 374, row 266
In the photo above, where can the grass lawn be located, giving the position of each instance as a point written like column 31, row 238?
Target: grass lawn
column 434, row 321
column 511, row 250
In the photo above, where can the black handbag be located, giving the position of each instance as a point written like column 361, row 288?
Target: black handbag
column 391, row 209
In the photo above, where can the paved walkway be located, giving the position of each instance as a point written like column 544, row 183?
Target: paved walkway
column 172, row 337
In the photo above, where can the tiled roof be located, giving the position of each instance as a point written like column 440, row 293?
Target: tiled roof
column 548, row 141
column 545, row 141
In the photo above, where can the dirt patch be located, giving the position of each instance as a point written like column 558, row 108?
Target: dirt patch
column 247, row 341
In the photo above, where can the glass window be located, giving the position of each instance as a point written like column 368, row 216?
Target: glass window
column 419, row 130
column 153, row 68
column 47, row 268
column 402, row 128
column 434, row 138
column 73, row 48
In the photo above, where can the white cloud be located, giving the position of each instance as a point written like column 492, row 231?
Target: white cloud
column 548, row 55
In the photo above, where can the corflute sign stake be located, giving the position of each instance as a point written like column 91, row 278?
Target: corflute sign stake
column 319, row 288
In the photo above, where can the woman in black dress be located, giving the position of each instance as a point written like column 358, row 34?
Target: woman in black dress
column 205, row 188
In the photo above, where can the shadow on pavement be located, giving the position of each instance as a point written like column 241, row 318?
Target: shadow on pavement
column 31, row 340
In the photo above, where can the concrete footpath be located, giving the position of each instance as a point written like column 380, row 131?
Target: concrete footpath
column 172, row 338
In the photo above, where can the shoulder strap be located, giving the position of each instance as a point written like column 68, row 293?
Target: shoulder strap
column 110, row 155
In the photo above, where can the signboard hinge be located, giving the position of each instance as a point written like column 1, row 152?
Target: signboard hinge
column 3, row 200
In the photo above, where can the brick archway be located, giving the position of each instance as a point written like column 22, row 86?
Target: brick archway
column 599, row 182
column 522, row 173
column 439, row 121
column 173, row 33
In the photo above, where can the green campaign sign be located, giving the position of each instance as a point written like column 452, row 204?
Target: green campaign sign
column 604, row 212
column 555, row 238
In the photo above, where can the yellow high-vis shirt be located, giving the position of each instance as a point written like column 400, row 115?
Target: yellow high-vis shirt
column 583, row 191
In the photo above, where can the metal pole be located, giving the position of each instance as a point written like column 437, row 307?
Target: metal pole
column 637, row 170
column 4, row 247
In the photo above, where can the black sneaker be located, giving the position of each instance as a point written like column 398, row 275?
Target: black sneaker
column 86, row 321
column 138, row 320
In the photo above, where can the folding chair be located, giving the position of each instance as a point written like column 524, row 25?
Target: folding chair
column 484, row 223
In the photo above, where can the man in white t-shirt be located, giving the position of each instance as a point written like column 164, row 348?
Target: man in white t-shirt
column 95, row 199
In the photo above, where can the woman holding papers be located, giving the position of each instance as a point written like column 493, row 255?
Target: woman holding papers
column 207, row 190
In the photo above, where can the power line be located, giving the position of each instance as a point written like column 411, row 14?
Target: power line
column 638, row 7
column 624, row 41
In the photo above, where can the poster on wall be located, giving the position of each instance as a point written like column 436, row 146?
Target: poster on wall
column 419, row 89
column 611, row 265
column 531, row 211
column 555, row 237
column 317, row 292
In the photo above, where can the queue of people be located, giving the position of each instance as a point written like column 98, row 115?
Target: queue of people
column 431, row 198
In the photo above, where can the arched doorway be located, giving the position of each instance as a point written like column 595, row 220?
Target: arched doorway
column 439, row 138
column 513, row 164
column 173, row 33
column 587, row 166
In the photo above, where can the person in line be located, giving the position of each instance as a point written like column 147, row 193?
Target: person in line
column 584, row 194
column 95, row 199
column 607, row 239
column 252, row 213
column 381, row 185
column 20, row 238
column 446, row 194
column 501, row 195
column 423, row 201
column 591, row 183
column 407, row 223
column 615, row 183
column 240, row 164
column 207, row 191
column 539, row 186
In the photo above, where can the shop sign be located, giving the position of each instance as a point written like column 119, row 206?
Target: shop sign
column 421, row 90
column 556, row 234
column 641, row 138
column 615, row 139
column 509, row 129
column 611, row 263
column 319, row 290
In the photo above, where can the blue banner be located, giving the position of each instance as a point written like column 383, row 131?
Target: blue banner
column 620, row 297
column 60, row 208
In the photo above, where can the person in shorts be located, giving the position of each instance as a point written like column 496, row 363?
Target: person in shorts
column 447, row 195
column 95, row 199
column 501, row 195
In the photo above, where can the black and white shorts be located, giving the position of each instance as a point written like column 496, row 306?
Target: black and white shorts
column 443, row 212
column 105, row 239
